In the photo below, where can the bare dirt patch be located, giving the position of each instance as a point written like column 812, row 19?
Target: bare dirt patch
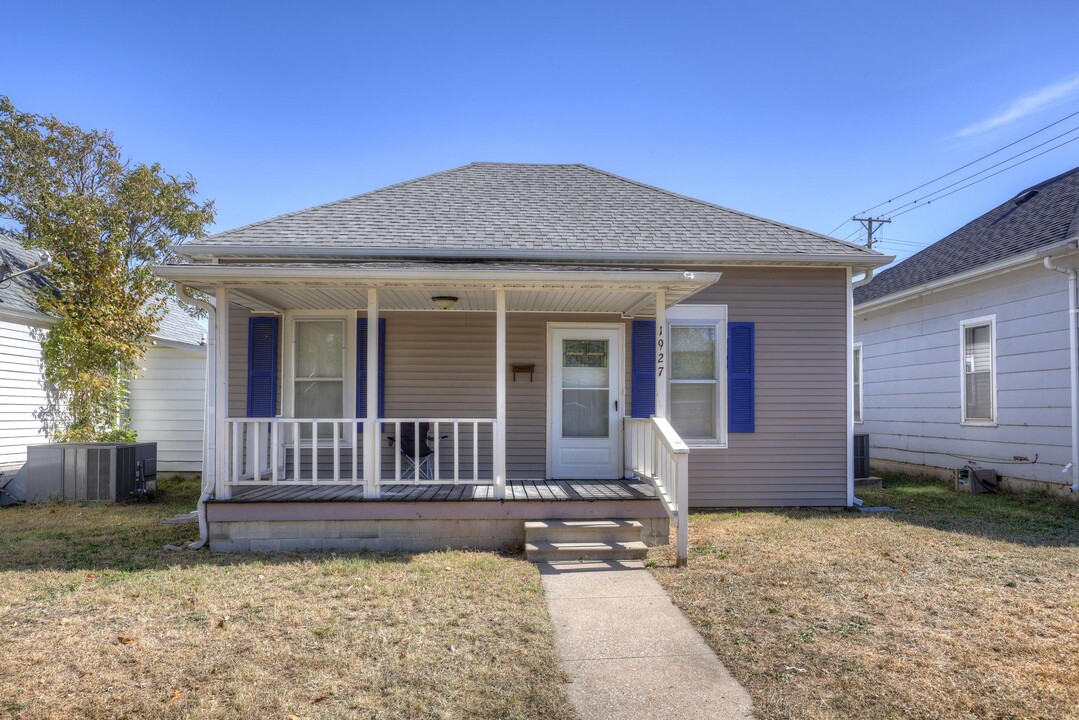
column 960, row 607
column 96, row 620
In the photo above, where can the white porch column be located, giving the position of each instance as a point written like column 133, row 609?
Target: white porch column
column 371, row 434
column 221, row 395
column 500, row 394
column 661, row 353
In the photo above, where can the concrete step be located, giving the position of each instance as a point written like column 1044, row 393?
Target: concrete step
column 546, row 551
column 583, row 530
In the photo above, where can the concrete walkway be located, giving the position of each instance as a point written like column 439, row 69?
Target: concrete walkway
column 629, row 652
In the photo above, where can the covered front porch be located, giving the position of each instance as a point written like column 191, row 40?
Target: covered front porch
column 502, row 382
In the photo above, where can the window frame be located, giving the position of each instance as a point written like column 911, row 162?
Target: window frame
column 989, row 321
column 858, row 381
column 714, row 316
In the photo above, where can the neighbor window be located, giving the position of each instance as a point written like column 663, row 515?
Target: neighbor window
column 694, row 380
column 319, row 389
column 978, row 388
column 858, row 382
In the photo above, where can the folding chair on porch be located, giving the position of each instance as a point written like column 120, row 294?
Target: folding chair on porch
column 417, row 465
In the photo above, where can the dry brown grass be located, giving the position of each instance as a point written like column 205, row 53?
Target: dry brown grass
column 96, row 620
column 960, row 607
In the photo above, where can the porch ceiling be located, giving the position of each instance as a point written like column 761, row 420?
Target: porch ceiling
column 410, row 286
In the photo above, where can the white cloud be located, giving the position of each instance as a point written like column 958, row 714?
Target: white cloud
column 1024, row 105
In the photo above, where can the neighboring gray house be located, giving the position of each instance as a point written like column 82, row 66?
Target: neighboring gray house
column 166, row 401
column 552, row 330
column 967, row 350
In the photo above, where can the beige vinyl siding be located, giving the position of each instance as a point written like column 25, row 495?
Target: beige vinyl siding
column 238, row 361
column 441, row 364
column 166, row 406
column 21, row 391
column 798, row 452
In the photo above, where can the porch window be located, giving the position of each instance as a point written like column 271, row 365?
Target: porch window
column 319, row 389
column 978, row 388
column 694, row 380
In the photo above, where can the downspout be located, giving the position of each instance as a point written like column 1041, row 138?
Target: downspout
column 864, row 281
column 1073, row 337
column 209, row 417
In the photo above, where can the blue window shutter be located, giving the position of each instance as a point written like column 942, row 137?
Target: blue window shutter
column 361, row 367
column 741, row 404
column 262, row 366
column 644, row 369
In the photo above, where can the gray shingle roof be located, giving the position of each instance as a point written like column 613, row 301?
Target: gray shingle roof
column 537, row 210
column 1041, row 215
column 17, row 296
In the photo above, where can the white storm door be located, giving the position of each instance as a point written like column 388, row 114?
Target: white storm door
column 586, row 372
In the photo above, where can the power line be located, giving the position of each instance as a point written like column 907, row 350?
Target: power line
column 972, row 162
column 985, row 170
column 998, row 172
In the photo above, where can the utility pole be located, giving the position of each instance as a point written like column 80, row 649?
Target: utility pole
column 870, row 224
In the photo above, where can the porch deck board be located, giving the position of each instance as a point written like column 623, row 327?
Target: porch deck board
column 516, row 490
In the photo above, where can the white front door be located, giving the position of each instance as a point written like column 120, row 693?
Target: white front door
column 585, row 395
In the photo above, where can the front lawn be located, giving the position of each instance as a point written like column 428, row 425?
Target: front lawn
column 97, row 620
column 959, row 607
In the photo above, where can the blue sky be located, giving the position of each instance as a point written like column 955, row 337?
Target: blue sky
column 802, row 112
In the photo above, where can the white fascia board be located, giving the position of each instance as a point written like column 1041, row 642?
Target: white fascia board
column 1006, row 265
column 27, row 317
column 250, row 275
column 264, row 252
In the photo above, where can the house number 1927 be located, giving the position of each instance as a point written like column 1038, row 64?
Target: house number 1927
column 660, row 364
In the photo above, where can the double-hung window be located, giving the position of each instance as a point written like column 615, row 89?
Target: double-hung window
column 319, row 389
column 697, row 370
column 978, row 387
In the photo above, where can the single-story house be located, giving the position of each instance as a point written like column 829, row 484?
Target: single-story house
column 966, row 352
column 513, row 342
column 165, row 402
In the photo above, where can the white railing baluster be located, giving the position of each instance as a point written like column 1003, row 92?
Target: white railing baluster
column 436, row 451
column 274, row 451
column 355, row 450
column 475, row 452
column 314, row 452
column 237, row 453
column 296, row 452
column 336, row 451
column 256, row 450
column 397, row 452
column 416, row 453
column 456, row 452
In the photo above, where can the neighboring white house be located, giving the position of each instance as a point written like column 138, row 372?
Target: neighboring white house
column 966, row 352
column 166, row 402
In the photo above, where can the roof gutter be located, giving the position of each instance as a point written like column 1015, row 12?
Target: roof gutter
column 209, row 417
column 865, row 258
column 1073, row 337
column 997, row 268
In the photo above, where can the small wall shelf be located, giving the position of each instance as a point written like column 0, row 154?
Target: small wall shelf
column 529, row 368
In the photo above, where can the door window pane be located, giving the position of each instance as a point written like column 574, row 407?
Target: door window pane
column 693, row 409
column 693, row 352
column 586, row 393
column 586, row 413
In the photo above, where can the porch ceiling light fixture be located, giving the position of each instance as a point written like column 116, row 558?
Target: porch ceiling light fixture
column 444, row 302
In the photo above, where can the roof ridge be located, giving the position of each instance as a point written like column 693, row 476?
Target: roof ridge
column 200, row 241
column 717, row 206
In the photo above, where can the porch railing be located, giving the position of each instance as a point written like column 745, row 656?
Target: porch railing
column 330, row 451
column 655, row 453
